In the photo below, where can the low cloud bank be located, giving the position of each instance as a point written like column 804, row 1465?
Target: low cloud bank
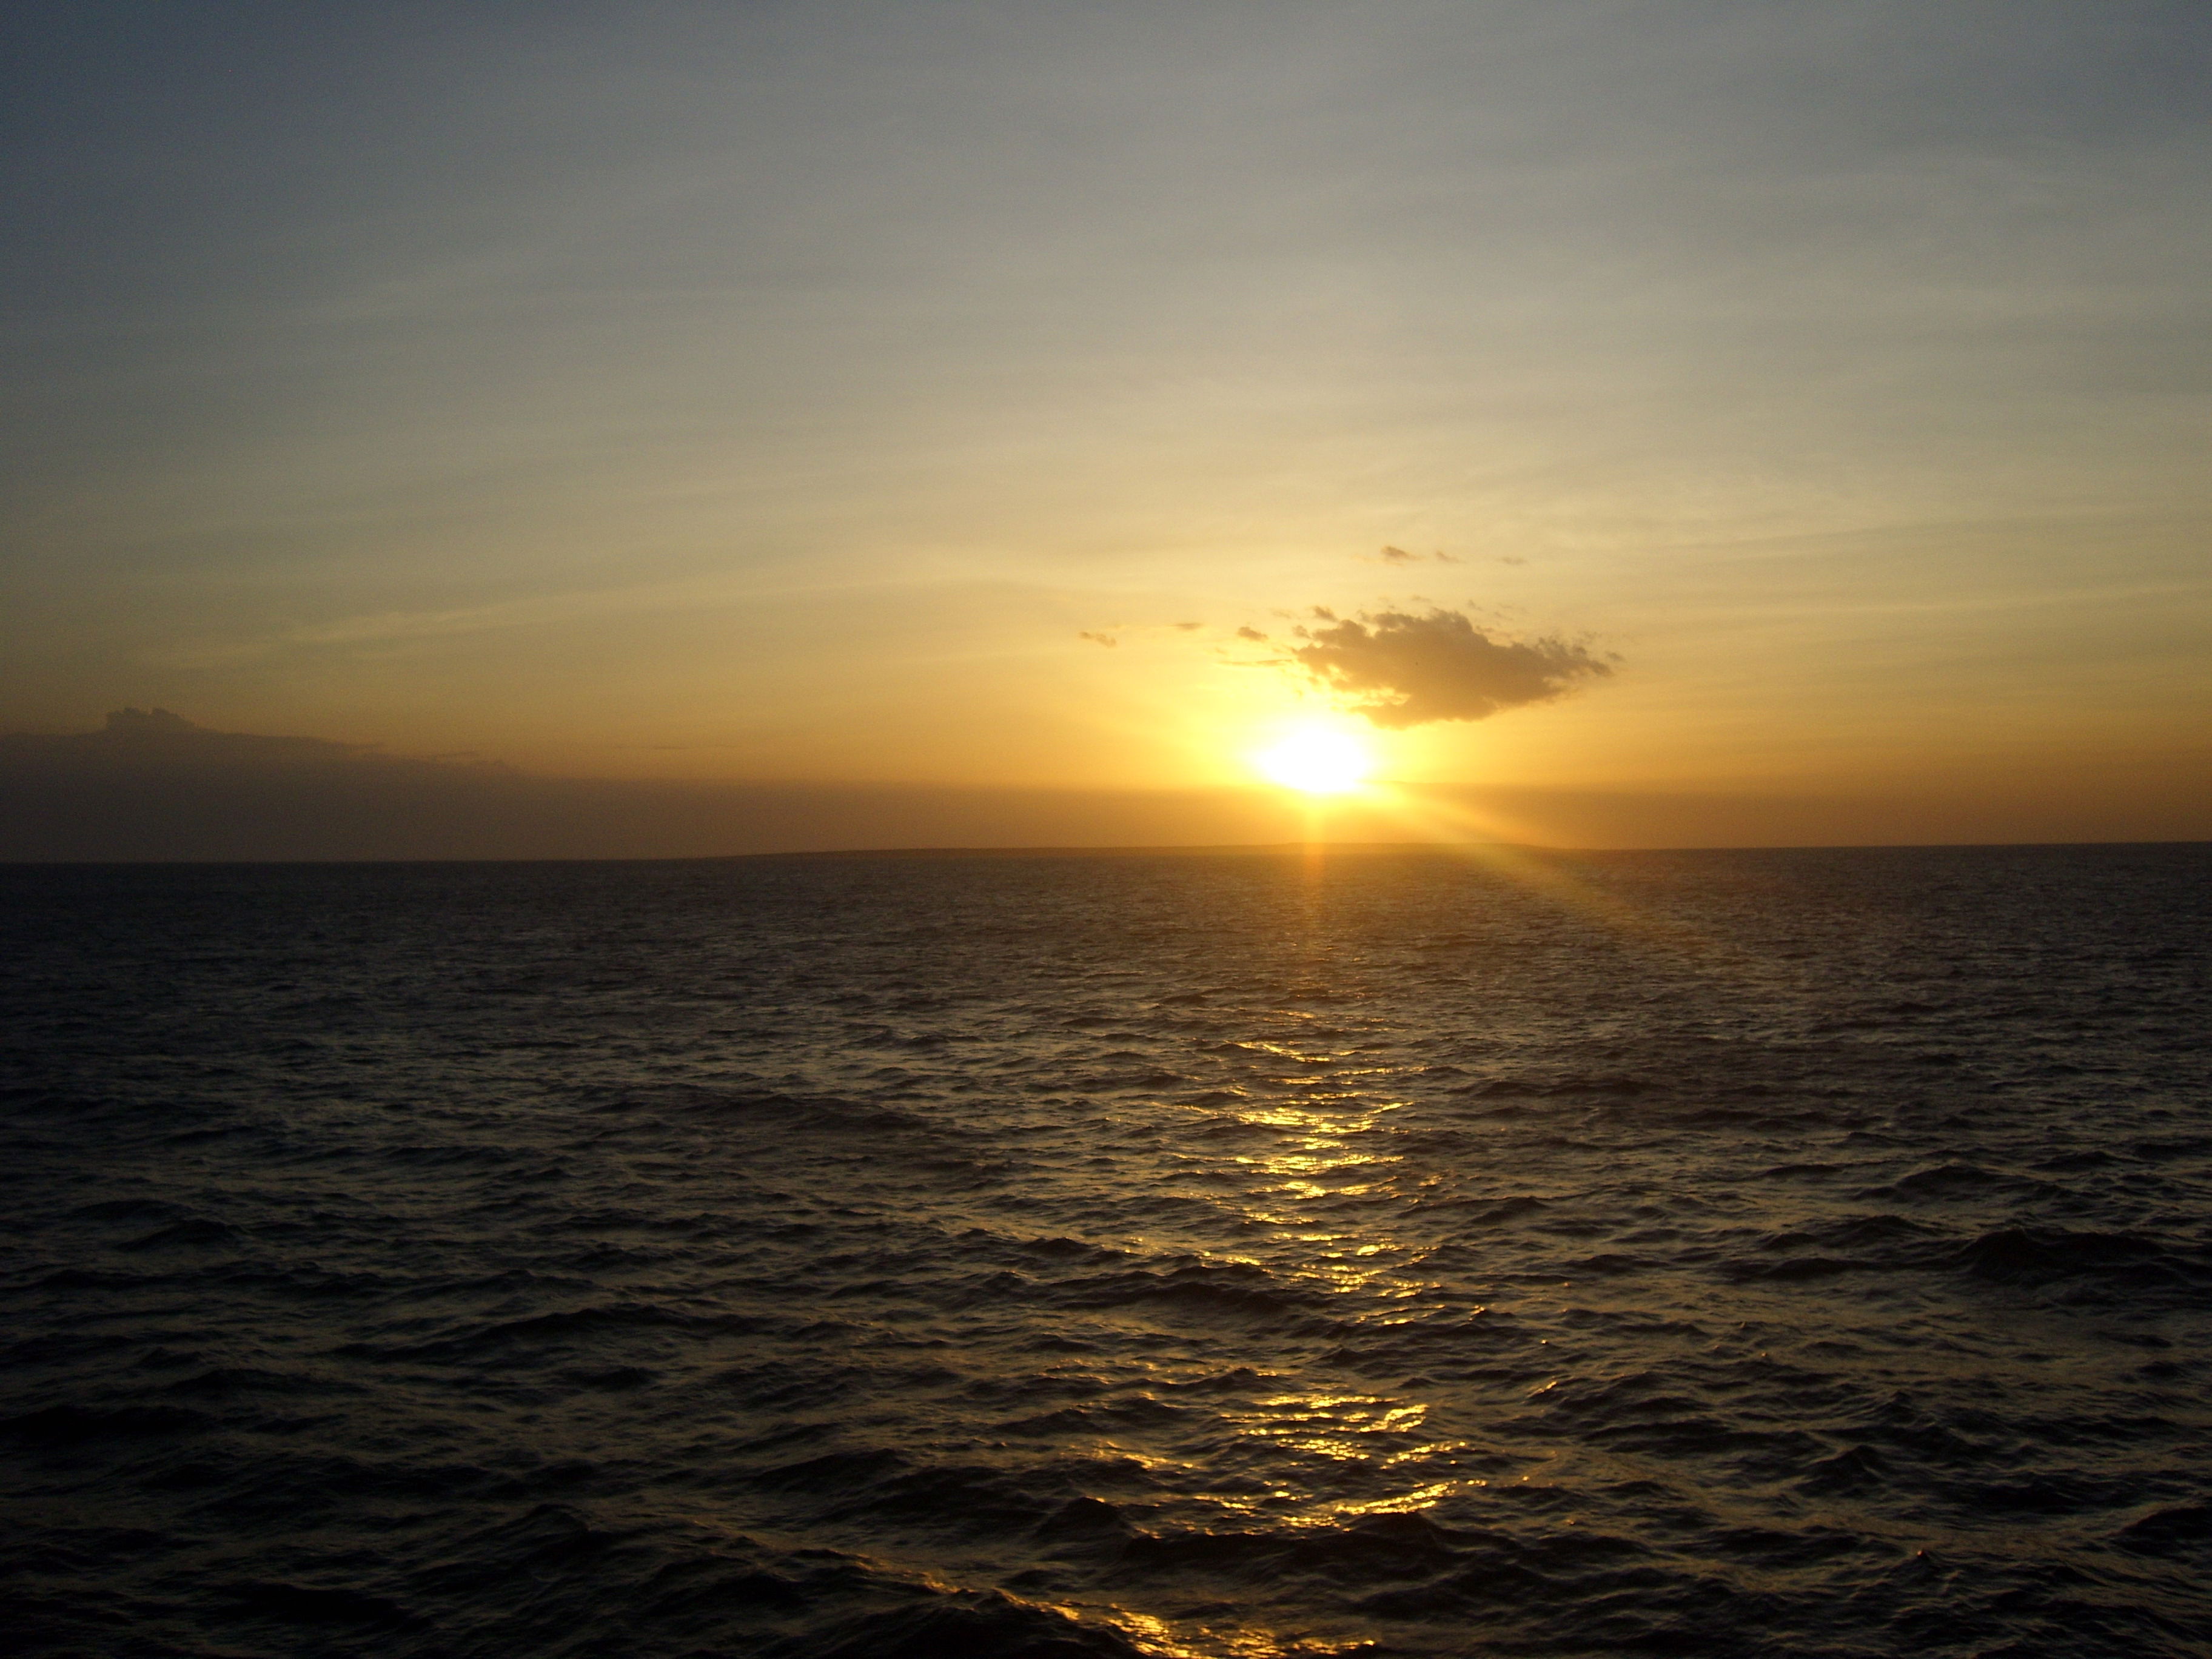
column 155, row 789
column 141, row 740
column 1402, row 668
column 153, row 786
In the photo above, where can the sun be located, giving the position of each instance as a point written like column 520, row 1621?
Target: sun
column 1315, row 760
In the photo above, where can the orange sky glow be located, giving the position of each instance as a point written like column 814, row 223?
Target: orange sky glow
column 1616, row 427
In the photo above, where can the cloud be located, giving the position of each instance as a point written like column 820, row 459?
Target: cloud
column 149, row 741
column 1110, row 635
column 1399, row 669
column 1400, row 556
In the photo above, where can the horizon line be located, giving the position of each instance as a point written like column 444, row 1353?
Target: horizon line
column 1112, row 850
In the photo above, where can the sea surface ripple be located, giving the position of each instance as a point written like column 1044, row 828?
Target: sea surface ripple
column 1034, row 1257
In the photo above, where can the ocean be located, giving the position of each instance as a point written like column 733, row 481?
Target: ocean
column 1045, row 1256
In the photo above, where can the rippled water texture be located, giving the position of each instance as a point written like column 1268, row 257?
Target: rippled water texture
column 1791, row 1253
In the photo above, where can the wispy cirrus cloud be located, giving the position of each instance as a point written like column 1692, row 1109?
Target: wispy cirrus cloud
column 1400, row 556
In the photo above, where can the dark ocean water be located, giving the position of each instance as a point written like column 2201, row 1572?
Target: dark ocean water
column 1803, row 1254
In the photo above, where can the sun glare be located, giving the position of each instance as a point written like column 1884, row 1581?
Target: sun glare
column 1317, row 759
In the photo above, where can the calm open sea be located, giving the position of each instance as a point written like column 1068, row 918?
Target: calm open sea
column 1792, row 1254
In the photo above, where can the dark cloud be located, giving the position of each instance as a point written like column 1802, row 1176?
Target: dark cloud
column 1107, row 640
column 1250, row 634
column 146, row 740
column 154, row 786
column 1400, row 556
column 1399, row 669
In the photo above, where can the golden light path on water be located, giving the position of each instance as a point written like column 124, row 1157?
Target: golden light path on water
column 1320, row 1159
column 1328, row 1110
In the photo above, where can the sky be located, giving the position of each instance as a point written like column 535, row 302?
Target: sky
column 1745, row 409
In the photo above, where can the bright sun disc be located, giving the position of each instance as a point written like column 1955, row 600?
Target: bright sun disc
column 1317, row 761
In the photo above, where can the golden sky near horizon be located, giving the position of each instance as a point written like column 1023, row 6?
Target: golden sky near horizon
column 786, row 392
